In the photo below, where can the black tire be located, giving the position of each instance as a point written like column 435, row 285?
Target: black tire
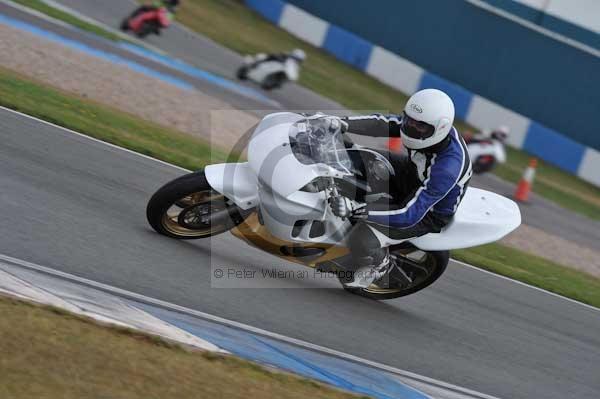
column 483, row 167
column 125, row 25
column 273, row 81
column 146, row 29
column 173, row 194
column 437, row 262
column 242, row 73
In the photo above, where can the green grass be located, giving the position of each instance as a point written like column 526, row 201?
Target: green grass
column 104, row 123
column 47, row 352
column 533, row 270
column 67, row 18
column 331, row 78
column 554, row 184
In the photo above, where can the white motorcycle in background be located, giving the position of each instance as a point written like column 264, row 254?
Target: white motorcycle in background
column 271, row 71
column 487, row 152
column 278, row 202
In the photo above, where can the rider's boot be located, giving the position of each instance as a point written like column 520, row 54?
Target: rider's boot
column 372, row 269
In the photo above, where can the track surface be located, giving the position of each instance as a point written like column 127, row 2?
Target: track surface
column 204, row 53
column 78, row 206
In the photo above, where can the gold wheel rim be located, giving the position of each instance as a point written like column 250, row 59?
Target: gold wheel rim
column 170, row 219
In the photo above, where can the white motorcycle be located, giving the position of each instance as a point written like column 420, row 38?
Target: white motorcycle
column 271, row 71
column 485, row 154
column 278, row 201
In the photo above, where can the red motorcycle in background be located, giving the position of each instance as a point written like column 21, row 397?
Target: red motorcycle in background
column 150, row 19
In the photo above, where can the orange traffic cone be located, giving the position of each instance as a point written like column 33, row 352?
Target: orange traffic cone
column 524, row 186
column 394, row 144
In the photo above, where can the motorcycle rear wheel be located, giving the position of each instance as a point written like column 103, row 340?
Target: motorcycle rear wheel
column 481, row 166
column 425, row 267
column 273, row 81
column 125, row 25
column 146, row 29
column 242, row 73
column 185, row 209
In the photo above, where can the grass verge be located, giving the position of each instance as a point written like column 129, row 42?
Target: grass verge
column 50, row 353
column 554, row 184
column 67, row 18
column 331, row 78
column 96, row 120
column 533, row 270
column 104, row 123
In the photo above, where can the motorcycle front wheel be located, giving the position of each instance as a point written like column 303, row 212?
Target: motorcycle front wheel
column 188, row 208
column 413, row 271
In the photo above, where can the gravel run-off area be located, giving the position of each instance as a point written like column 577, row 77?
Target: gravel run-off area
column 118, row 86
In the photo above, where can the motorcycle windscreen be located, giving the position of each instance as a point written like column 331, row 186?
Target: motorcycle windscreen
column 288, row 151
column 318, row 141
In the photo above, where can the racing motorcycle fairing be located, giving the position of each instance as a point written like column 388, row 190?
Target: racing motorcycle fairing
column 291, row 160
column 236, row 181
column 261, row 70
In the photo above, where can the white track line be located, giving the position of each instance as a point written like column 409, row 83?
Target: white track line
column 526, row 285
column 187, row 170
column 36, row 13
column 244, row 327
column 85, row 136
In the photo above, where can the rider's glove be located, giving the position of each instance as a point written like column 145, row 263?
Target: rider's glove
column 344, row 125
column 340, row 206
column 336, row 123
column 343, row 207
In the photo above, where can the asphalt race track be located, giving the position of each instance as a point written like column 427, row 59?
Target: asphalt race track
column 77, row 205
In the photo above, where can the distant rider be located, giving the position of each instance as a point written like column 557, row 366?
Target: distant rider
column 297, row 55
column 436, row 174
column 500, row 134
column 170, row 5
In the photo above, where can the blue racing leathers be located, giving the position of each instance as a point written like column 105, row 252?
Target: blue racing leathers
column 441, row 174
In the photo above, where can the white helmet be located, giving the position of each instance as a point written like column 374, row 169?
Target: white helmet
column 427, row 120
column 298, row 54
column 501, row 133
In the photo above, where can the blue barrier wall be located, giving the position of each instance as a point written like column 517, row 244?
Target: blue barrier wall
column 348, row 47
column 270, row 9
column 516, row 67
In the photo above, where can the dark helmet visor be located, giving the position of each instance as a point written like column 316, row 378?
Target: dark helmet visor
column 416, row 129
